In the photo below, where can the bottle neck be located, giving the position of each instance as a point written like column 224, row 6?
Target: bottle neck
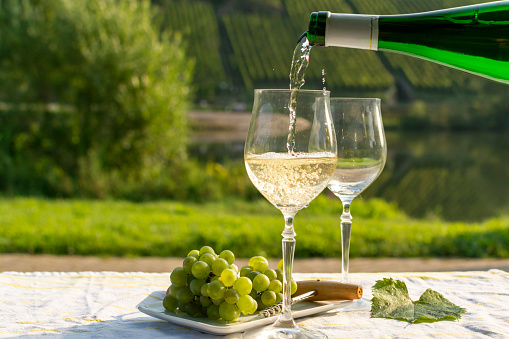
column 316, row 30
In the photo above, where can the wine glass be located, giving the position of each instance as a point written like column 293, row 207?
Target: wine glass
column 290, row 156
column 362, row 152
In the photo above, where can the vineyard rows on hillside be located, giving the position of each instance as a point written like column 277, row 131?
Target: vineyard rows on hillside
column 197, row 22
column 239, row 46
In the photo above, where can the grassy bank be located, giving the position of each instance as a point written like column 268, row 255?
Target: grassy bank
column 120, row 228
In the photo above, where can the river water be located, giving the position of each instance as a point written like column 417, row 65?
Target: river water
column 453, row 176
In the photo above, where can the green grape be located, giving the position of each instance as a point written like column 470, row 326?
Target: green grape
column 196, row 285
column 228, row 277
column 216, row 289
column 206, row 249
column 253, row 274
column 253, row 294
column 243, row 285
column 275, row 286
column 294, row 287
column 261, row 305
column 182, row 306
column 259, row 263
column 234, row 267
column 279, row 297
column 209, row 258
column 260, row 266
column 279, row 273
column 255, row 307
column 261, row 282
column 200, row 270
column 219, row 265
column 205, row 301
column 215, row 277
column 178, row 277
column 213, row 312
column 231, row 296
column 245, row 270
column 271, row 274
column 184, row 295
column 228, row 256
column 269, row 298
column 228, row 312
column 188, row 264
column 194, row 253
column 193, row 309
column 205, row 289
column 170, row 303
column 245, row 304
column 217, row 301
column 280, row 264
column 257, row 258
column 173, row 290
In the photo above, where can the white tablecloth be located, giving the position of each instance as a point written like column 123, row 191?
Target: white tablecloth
column 104, row 305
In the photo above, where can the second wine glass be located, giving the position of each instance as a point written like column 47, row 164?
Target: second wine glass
column 362, row 152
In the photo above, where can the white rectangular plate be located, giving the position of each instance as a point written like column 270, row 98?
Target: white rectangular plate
column 244, row 322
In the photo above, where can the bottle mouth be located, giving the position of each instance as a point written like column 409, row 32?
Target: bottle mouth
column 316, row 30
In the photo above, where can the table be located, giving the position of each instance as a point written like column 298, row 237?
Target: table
column 104, row 305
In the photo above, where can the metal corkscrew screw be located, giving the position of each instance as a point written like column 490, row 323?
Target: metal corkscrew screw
column 276, row 308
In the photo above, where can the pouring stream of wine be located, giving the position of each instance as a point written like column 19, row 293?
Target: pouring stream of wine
column 300, row 63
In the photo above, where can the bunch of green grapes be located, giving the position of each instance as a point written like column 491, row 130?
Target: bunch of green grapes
column 211, row 285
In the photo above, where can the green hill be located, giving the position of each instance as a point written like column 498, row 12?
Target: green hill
column 239, row 45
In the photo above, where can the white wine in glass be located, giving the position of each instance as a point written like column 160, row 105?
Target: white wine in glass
column 290, row 166
column 362, row 152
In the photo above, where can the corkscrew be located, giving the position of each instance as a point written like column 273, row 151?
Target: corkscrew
column 318, row 290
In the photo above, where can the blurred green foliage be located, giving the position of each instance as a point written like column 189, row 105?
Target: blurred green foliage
column 93, row 98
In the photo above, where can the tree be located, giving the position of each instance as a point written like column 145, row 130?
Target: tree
column 93, row 96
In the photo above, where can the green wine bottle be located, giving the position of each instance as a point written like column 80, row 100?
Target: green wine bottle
column 473, row 38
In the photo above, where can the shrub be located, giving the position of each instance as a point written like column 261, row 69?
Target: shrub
column 93, row 95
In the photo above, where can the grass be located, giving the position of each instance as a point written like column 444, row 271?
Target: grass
column 169, row 228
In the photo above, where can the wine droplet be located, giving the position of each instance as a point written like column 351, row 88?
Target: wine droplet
column 323, row 80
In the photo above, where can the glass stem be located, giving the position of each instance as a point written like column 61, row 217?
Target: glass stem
column 285, row 318
column 346, row 228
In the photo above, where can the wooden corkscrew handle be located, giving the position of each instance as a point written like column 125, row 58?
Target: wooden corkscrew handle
column 329, row 290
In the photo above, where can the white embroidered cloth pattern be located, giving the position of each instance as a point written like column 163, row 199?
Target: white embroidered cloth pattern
column 104, row 305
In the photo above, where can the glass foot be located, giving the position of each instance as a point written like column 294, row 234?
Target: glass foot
column 272, row 332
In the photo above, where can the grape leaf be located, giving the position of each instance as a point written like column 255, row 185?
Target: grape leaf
column 391, row 300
